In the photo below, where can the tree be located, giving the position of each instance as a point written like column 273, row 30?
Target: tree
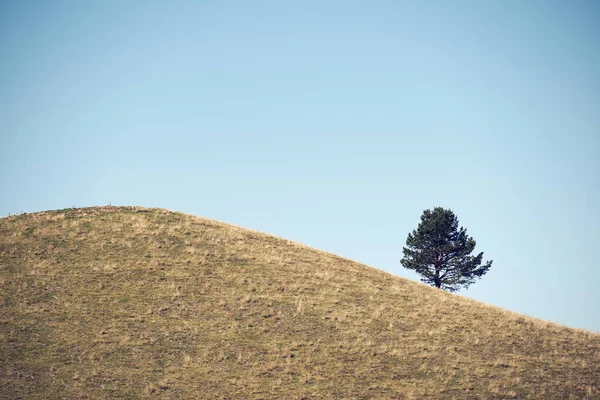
column 440, row 252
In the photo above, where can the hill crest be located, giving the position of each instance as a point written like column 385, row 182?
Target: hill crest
column 109, row 302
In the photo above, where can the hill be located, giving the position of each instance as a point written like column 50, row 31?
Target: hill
column 126, row 302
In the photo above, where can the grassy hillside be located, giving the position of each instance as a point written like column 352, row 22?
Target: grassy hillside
column 107, row 303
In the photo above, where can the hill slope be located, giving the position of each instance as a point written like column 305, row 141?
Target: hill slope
column 106, row 303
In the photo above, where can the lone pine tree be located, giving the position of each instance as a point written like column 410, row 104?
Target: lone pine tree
column 441, row 252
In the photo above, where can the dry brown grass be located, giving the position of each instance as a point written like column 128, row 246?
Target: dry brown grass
column 106, row 303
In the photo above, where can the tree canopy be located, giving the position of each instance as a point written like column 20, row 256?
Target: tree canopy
column 440, row 251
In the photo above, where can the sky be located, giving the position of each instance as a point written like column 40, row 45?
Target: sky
column 334, row 124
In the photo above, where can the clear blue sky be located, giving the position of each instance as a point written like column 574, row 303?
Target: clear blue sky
column 334, row 124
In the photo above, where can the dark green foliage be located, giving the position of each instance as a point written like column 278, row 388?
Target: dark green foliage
column 440, row 252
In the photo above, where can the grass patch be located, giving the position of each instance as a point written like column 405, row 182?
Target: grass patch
column 127, row 302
